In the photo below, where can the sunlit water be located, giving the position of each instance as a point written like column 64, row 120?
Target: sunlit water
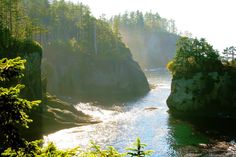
column 146, row 117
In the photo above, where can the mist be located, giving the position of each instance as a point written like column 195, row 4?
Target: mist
column 151, row 38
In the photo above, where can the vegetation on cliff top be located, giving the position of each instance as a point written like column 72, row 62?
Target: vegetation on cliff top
column 45, row 22
column 64, row 22
column 192, row 56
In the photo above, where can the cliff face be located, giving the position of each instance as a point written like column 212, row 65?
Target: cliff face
column 32, row 73
column 204, row 94
column 202, row 84
column 114, row 77
column 96, row 77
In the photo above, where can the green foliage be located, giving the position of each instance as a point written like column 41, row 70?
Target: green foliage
column 229, row 54
column 138, row 149
column 5, row 36
column 85, row 33
column 45, row 22
column 11, row 46
column 13, row 109
column 193, row 55
column 35, row 149
column 95, row 151
column 13, row 17
column 140, row 21
column 12, row 68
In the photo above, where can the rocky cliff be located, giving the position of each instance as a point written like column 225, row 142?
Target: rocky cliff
column 211, row 94
column 80, row 75
column 202, row 84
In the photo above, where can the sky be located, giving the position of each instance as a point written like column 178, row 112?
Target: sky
column 214, row 20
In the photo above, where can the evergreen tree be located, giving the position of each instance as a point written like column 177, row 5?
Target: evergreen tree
column 229, row 53
column 13, row 109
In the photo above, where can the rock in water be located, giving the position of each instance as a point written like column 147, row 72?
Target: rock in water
column 150, row 108
column 204, row 93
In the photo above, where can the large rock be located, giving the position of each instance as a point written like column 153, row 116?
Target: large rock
column 204, row 94
column 87, row 77
column 53, row 115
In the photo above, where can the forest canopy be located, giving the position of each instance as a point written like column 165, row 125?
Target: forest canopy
column 60, row 21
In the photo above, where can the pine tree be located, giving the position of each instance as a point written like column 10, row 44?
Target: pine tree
column 13, row 109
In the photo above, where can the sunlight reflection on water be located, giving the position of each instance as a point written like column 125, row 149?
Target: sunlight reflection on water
column 146, row 118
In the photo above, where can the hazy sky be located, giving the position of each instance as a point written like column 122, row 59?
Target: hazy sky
column 214, row 20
